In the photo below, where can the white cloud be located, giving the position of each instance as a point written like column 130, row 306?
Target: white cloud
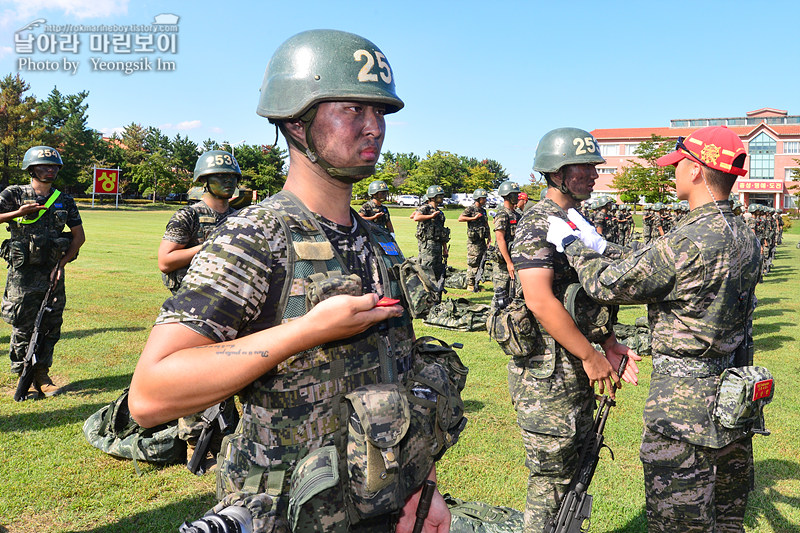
column 215, row 129
column 185, row 125
column 108, row 132
column 82, row 9
column 5, row 50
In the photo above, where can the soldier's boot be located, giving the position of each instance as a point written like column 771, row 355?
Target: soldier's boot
column 471, row 288
column 43, row 384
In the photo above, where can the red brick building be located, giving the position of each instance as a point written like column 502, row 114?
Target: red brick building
column 771, row 137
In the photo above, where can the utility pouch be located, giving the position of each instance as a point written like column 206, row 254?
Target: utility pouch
column 17, row 254
column 594, row 320
column 742, row 394
column 38, row 250
column 316, row 498
column 515, row 329
column 322, row 286
column 379, row 420
column 5, row 250
column 445, row 234
column 418, row 290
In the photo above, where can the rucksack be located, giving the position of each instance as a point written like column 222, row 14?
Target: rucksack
column 419, row 291
column 455, row 279
column 458, row 314
column 113, row 431
column 479, row 517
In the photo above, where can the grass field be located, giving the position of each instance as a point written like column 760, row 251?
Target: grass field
column 52, row 480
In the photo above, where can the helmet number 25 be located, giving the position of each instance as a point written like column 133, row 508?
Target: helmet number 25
column 366, row 74
column 587, row 144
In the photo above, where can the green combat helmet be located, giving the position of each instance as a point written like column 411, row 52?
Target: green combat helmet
column 321, row 66
column 752, row 208
column 215, row 162
column 566, row 146
column 479, row 193
column 434, row 191
column 658, row 206
column 506, row 188
column 41, row 155
column 542, row 194
column 377, row 186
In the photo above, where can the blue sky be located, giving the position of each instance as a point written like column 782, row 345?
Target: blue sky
column 480, row 79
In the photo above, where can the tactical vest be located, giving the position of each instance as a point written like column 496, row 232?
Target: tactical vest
column 300, row 406
column 511, row 228
column 37, row 240
column 478, row 230
column 206, row 222
column 433, row 229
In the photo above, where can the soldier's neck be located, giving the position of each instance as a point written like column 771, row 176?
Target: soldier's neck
column 320, row 193
column 41, row 188
column 220, row 205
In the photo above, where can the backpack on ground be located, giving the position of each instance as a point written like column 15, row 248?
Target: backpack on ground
column 458, row 314
column 479, row 517
column 113, row 431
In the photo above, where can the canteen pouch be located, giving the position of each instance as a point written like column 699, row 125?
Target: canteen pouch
column 515, row 329
column 742, row 394
column 379, row 420
column 594, row 320
column 316, row 498
column 322, row 286
column 418, row 290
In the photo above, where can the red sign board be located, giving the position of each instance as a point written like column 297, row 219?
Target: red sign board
column 752, row 185
column 106, row 181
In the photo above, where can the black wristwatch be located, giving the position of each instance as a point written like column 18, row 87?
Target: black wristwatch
column 569, row 239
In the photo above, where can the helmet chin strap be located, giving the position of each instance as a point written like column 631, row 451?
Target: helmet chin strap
column 562, row 187
column 347, row 175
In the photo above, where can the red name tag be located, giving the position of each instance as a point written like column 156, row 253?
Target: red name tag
column 762, row 390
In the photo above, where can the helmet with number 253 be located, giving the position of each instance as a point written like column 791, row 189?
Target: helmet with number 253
column 215, row 162
column 566, row 146
column 325, row 65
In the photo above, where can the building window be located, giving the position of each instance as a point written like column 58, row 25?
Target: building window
column 631, row 148
column 609, row 149
column 792, row 174
column 791, row 147
column 789, row 202
column 606, row 170
column 762, row 157
column 698, row 122
column 716, row 122
column 680, row 123
column 735, row 122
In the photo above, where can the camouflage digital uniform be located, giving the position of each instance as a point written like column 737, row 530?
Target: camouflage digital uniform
column 32, row 252
column 602, row 220
column 432, row 236
column 190, row 225
column 372, row 208
column 549, row 390
column 648, row 231
column 698, row 283
column 506, row 221
column 233, row 289
column 477, row 237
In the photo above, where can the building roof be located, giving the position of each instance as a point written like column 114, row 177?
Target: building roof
column 602, row 134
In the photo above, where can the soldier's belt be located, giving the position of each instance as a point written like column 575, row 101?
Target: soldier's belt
column 691, row 367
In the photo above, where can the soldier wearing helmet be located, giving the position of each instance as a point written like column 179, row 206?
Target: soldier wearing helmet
column 479, row 237
column 552, row 389
column 218, row 173
column 281, row 306
column 698, row 282
column 505, row 227
column 432, row 235
column 374, row 210
column 37, row 251
column 602, row 218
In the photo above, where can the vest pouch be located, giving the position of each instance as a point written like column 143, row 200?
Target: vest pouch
column 59, row 220
column 445, row 234
column 418, row 290
column 742, row 394
column 322, row 286
column 17, row 253
column 38, row 249
column 380, row 418
column 316, row 498
column 515, row 329
column 594, row 320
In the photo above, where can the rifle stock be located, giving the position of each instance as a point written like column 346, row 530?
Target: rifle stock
column 576, row 505
column 26, row 376
column 211, row 417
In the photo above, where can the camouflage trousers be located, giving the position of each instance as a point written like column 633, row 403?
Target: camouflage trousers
column 475, row 251
column 430, row 258
column 504, row 287
column 692, row 488
column 25, row 290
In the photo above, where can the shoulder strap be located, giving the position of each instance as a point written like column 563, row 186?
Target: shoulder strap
column 50, row 201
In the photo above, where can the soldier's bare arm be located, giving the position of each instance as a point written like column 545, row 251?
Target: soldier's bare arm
column 181, row 372
column 172, row 255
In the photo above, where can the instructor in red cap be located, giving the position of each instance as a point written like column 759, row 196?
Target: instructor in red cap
column 698, row 282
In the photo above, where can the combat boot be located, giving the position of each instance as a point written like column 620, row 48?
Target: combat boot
column 471, row 288
column 43, row 384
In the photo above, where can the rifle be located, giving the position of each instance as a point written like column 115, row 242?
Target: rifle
column 576, row 505
column 424, row 505
column 31, row 358
column 444, row 272
column 209, row 417
column 481, row 267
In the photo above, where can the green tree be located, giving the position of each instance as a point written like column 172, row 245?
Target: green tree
column 262, row 167
column 649, row 180
column 19, row 126
column 439, row 168
column 500, row 174
column 394, row 170
column 478, row 177
column 183, row 157
column 153, row 174
column 66, row 127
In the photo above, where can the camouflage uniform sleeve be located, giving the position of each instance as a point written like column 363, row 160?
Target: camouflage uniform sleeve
column 181, row 227
column 530, row 248
column 227, row 284
column 501, row 221
column 73, row 215
column 366, row 210
column 644, row 276
column 8, row 200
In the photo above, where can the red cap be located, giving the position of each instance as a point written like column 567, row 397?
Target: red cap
column 716, row 146
column 522, row 196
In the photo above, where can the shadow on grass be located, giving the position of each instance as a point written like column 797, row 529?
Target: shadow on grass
column 87, row 387
column 47, row 418
column 81, row 333
column 762, row 502
column 473, row 406
column 637, row 523
column 164, row 519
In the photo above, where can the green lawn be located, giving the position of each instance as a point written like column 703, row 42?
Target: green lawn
column 51, row 479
